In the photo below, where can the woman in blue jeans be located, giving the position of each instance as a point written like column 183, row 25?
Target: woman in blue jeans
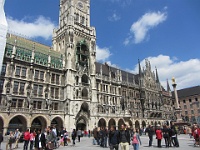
column 136, row 139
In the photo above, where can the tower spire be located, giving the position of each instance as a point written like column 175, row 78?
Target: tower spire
column 139, row 66
column 157, row 78
column 168, row 87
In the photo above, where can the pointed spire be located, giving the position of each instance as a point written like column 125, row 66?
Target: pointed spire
column 157, row 78
column 140, row 70
column 168, row 87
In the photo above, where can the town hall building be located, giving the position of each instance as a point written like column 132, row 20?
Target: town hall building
column 64, row 85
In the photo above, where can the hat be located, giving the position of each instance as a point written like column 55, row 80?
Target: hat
column 158, row 125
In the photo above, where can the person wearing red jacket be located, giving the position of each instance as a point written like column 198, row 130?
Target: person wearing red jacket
column 159, row 135
column 26, row 139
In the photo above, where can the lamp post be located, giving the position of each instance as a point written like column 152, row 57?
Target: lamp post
column 177, row 107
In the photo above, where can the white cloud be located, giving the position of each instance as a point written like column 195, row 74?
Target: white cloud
column 102, row 54
column 140, row 28
column 114, row 17
column 186, row 73
column 113, row 65
column 40, row 27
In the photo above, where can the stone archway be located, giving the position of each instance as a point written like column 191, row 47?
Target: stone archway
column 111, row 122
column 137, row 124
column 1, row 124
column 120, row 122
column 130, row 124
column 81, row 123
column 39, row 123
column 159, row 122
column 152, row 123
column 102, row 123
column 17, row 122
column 58, row 123
column 82, row 117
column 143, row 124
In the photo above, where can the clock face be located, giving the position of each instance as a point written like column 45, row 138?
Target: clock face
column 80, row 5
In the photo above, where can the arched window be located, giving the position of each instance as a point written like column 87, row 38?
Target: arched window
column 77, row 78
column 84, row 79
column 76, row 93
column 82, row 52
column 84, row 93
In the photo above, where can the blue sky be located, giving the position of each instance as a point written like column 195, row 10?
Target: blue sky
column 167, row 32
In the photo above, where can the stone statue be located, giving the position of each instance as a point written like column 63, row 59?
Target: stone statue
column 9, row 101
column 173, row 81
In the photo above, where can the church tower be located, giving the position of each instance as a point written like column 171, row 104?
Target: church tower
column 75, row 39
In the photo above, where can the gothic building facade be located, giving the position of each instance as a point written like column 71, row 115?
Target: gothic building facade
column 63, row 85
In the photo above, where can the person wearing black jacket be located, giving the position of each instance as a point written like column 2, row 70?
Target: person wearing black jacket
column 150, row 132
column 113, row 139
column 165, row 132
column 174, row 136
column 40, row 140
column 124, row 138
column 102, row 135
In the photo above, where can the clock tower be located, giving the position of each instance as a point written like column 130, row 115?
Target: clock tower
column 75, row 39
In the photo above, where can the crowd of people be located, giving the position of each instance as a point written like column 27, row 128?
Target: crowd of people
column 124, row 137
column 111, row 138
column 48, row 139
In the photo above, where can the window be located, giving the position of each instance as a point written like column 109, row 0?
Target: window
column 3, row 69
column 41, row 75
column 77, row 78
column 196, row 99
column 183, row 101
column 54, row 106
column 24, row 72
column 76, row 17
column 36, row 74
column 37, row 105
column 52, row 78
column 190, row 100
column 35, row 89
column 21, row 89
column 17, row 71
column 17, row 103
column 55, row 78
column 199, row 111
column 54, row 92
column 186, row 112
column 185, row 106
column 38, row 90
column 20, row 71
column 191, row 106
column 20, row 103
column 14, row 103
column 192, row 111
column 82, row 20
column 16, row 86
